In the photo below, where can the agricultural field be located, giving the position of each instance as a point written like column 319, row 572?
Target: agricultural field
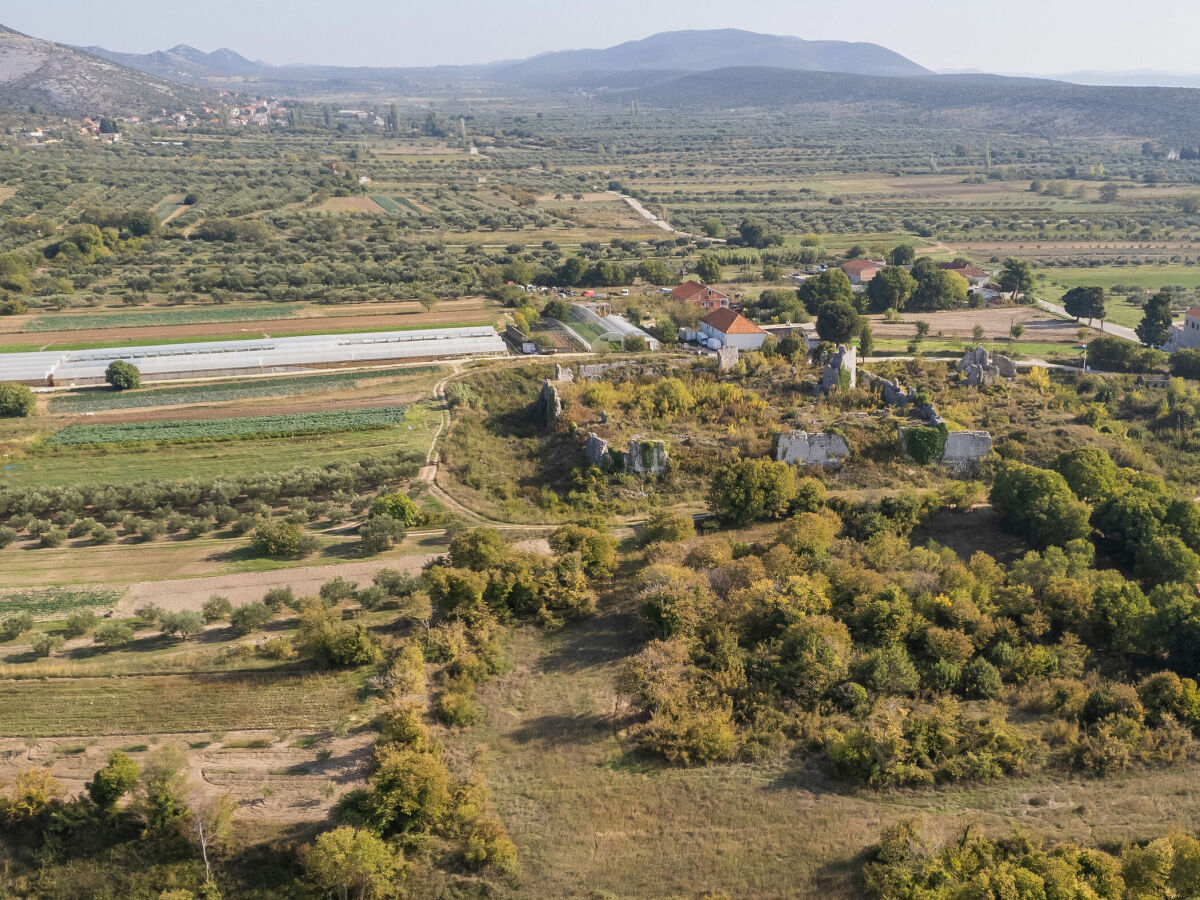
column 98, row 400
column 307, row 585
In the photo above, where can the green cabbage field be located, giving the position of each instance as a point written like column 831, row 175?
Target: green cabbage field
column 248, row 427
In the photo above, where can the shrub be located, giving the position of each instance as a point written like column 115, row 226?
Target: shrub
column 114, row 781
column 15, row 626
column 7, row 535
column 981, row 679
column 666, row 525
column 216, row 608
column 44, row 644
column 277, row 539
column 278, row 597
column 183, row 623
column 122, row 376
column 380, row 533
column 337, row 590
column 80, row 623
column 458, row 708
column 250, row 616
column 113, row 634
column 16, row 400
column 397, row 506
column 746, row 490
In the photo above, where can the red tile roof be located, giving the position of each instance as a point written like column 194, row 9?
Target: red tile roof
column 966, row 270
column 727, row 321
column 1194, row 312
column 690, row 289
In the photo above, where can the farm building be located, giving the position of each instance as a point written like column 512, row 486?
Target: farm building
column 701, row 294
column 860, row 271
column 1187, row 335
column 976, row 276
column 732, row 330
column 166, row 362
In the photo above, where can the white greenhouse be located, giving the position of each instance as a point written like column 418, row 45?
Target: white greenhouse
column 165, row 362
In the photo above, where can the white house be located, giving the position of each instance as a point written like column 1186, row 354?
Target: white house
column 1187, row 335
column 732, row 329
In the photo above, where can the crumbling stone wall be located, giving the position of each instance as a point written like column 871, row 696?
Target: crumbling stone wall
column 646, row 457
column 841, row 370
column 817, row 449
column 548, row 407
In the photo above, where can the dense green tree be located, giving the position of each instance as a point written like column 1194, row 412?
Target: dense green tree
column 1039, row 504
column 1016, row 277
column 714, row 227
column 746, row 490
column 16, row 400
column 122, row 376
column 838, row 322
column 709, row 269
column 831, row 285
column 353, row 864
column 1084, row 303
column 936, row 288
column 118, row 777
column 1186, row 364
column 1155, row 327
column 902, row 255
column 398, row 506
column 890, row 289
column 1090, row 472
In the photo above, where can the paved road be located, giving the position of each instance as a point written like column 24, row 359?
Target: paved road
column 1108, row 328
column 661, row 223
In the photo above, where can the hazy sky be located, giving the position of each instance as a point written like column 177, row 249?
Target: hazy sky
column 1045, row 36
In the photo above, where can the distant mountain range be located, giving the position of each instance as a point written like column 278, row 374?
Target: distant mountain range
column 67, row 80
column 680, row 69
column 674, row 51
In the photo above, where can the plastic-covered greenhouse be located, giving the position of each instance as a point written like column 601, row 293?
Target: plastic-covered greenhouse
column 165, row 362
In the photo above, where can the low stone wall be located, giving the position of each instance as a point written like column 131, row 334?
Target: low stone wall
column 964, row 449
column 817, row 449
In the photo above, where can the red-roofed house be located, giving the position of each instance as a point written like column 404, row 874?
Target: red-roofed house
column 860, row 271
column 732, row 329
column 701, row 294
column 975, row 275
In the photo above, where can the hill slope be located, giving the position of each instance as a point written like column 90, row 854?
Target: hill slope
column 699, row 51
column 69, row 81
column 1025, row 105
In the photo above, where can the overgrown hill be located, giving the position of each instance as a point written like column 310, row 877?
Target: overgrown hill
column 69, row 81
column 1015, row 105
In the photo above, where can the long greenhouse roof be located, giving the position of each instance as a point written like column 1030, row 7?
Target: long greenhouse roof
column 261, row 353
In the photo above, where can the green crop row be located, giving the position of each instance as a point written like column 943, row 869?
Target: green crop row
column 82, row 321
column 388, row 204
column 99, row 400
column 244, row 428
column 49, row 602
